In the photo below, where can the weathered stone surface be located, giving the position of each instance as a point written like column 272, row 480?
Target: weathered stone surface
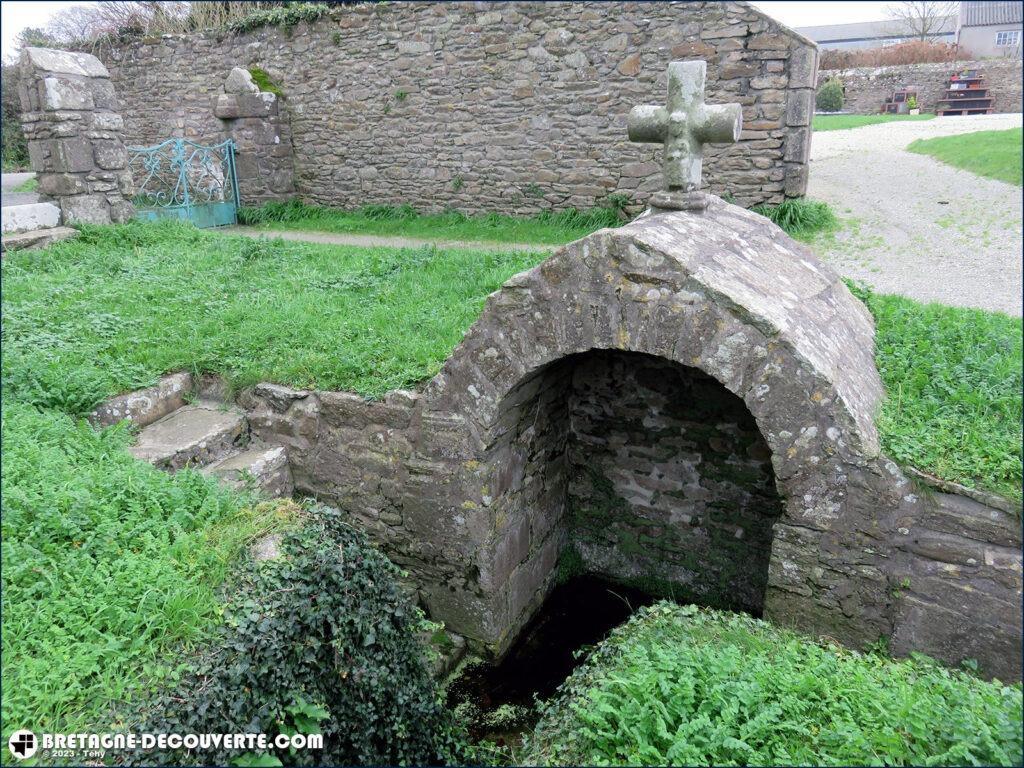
column 687, row 401
column 38, row 238
column 63, row 93
column 74, row 135
column 65, row 62
column 192, row 435
column 85, row 209
column 513, row 116
column 260, row 466
column 240, row 81
column 145, row 406
column 29, row 217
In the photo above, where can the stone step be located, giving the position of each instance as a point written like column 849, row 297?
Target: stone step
column 145, row 406
column 261, row 466
column 39, row 238
column 193, row 435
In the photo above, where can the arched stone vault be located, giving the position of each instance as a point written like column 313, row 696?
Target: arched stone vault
column 727, row 294
column 451, row 481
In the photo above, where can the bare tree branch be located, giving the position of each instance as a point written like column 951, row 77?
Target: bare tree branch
column 923, row 19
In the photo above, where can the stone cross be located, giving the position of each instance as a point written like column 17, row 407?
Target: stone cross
column 684, row 125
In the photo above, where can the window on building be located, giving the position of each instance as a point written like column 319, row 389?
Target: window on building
column 1008, row 37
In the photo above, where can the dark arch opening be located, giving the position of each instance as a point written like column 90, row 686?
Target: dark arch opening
column 670, row 482
column 618, row 467
column 637, row 469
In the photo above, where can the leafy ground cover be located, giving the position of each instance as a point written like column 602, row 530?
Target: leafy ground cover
column 954, row 383
column 553, row 228
column 109, row 565
column 319, row 639
column 682, row 686
column 845, row 122
column 992, row 154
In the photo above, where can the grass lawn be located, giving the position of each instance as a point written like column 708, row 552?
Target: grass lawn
column 118, row 306
column 954, row 383
column 404, row 221
column 992, row 154
column 844, row 122
column 681, row 686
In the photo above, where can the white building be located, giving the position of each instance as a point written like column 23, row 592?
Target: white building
column 990, row 29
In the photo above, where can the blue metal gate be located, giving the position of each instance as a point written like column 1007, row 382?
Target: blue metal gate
column 179, row 179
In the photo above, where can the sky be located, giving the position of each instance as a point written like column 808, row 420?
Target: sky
column 15, row 15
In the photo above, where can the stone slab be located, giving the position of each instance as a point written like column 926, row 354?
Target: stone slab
column 194, row 435
column 65, row 62
column 266, row 466
column 29, row 217
column 39, row 238
column 145, row 406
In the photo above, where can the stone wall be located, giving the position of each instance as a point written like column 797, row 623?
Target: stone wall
column 259, row 126
column 515, row 106
column 715, row 382
column 671, row 484
column 867, row 88
column 75, row 135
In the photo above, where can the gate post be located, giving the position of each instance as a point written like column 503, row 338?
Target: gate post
column 258, row 125
column 75, row 135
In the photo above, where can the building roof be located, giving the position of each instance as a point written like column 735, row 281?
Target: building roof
column 870, row 30
column 983, row 14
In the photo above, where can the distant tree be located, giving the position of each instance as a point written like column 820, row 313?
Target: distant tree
column 923, row 19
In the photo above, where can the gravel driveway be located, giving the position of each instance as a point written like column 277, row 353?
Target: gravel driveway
column 915, row 226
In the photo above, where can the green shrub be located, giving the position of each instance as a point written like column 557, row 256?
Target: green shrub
column 286, row 15
column 13, row 145
column 830, row 96
column 318, row 639
column 680, row 686
column 799, row 217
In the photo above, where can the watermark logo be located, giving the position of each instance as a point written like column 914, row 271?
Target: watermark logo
column 23, row 744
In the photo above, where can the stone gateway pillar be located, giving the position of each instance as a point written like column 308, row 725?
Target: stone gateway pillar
column 75, row 135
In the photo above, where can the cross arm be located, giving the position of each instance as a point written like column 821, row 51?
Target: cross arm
column 648, row 123
column 718, row 124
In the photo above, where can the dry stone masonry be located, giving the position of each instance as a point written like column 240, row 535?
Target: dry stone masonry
column 865, row 88
column 687, row 403
column 75, row 135
column 511, row 106
column 253, row 119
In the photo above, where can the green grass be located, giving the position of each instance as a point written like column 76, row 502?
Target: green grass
column 405, row 221
column 28, row 185
column 845, row 122
column 678, row 686
column 992, row 154
column 953, row 377
column 110, row 568
column 118, row 306
column 801, row 218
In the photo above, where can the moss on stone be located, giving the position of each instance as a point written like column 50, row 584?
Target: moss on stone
column 264, row 83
